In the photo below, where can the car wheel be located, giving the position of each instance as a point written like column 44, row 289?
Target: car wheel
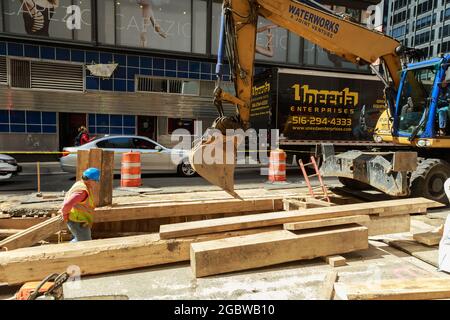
column 185, row 169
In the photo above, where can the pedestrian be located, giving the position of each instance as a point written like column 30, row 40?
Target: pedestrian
column 82, row 137
column 78, row 207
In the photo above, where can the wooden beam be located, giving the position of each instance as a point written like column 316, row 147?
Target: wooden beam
column 328, row 285
column 335, row 261
column 99, row 256
column 293, row 226
column 82, row 162
column 106, row 178
column 33, row 235
column 20, row 223
column 402, row 206
column 388, row 224
column 428, row 238
column 271, row 248
column 398, row 289
column 208, row 207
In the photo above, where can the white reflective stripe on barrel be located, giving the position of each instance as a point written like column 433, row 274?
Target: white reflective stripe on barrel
column 277, row 173
column 130, row 176
column 131, row 164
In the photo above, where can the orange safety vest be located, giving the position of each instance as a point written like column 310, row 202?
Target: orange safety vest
column 82, row 211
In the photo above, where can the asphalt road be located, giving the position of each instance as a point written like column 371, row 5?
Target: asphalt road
column 53, row 180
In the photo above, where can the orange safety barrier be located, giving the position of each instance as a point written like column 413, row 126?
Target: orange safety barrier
column 131, row 170
column 277, row 166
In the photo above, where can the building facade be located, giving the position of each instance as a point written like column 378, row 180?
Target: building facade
column 422, row 24
column 165, row 54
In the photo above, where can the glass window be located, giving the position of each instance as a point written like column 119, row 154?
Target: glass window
column 143, row 144
column 199, row 27
column 106, row 20
column 164, row 25
column 273, row 40
column 118, row 143
column 47, row 18
column 294, row 48
column 215, row 28
column 187, row 124
column 414, row 99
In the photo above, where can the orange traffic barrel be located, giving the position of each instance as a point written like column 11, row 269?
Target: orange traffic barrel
column 130, row 173
column 277, row 166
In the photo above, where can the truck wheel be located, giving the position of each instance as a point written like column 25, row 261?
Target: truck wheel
column 429, row 178
column 354, row 184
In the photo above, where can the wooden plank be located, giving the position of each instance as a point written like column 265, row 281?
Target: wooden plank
column 33, row 235
column 326, row 222
column 275, row 247
column 328, row 285
column 428, row 238
column 388, row 224
column 397, row 289
column 151, row 211
column 316, row 203
column 335, row 261
column 20, row 223
column 106, row 178
column 99, row 256
column 95, row 161
column 402, row 206
column 82, row 162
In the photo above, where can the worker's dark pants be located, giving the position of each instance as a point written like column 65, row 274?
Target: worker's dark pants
column 79, row 232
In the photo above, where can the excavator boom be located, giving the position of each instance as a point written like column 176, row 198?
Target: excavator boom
column 305, row 18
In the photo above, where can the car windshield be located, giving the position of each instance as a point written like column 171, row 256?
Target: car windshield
column 415, row 99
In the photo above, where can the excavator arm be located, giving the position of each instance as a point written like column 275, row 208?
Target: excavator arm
column 309, row 20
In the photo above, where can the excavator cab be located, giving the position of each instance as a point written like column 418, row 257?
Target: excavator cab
column 422, row 104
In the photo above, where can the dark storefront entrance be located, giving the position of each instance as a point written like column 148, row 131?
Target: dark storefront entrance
column 68, row 128
column 147, row 126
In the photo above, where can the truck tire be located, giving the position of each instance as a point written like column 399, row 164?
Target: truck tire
column 354, row 184
column 429, row 178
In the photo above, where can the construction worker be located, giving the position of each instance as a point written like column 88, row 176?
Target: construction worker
column 78, row 207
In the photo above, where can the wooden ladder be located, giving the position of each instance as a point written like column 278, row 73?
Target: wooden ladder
column 311, row 189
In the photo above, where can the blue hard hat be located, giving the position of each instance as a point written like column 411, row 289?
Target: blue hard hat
column 92, row 174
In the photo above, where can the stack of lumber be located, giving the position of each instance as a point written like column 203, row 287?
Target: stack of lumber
column 319, row 232
column 100, row 256
column 397, row 289
column 154, row 212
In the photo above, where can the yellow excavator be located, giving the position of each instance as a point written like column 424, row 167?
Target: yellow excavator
column 414, row 119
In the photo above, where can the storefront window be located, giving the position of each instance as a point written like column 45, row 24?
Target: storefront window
column 164, row 25
column 106, row 22
column 175, row 124
column 277, row 47
column 294, row 48
column 48, row 18
column 199, row 19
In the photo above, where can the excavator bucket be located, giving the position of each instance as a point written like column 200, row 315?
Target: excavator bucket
column 214, row 158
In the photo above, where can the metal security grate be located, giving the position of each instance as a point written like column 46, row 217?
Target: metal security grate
column 3, row 70
column 184, row 87
column 57, row 76
column 20, row 73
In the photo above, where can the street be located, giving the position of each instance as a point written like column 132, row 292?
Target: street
column 53, row 180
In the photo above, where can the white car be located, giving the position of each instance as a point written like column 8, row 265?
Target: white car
column 8, row 167
column 155, row 158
